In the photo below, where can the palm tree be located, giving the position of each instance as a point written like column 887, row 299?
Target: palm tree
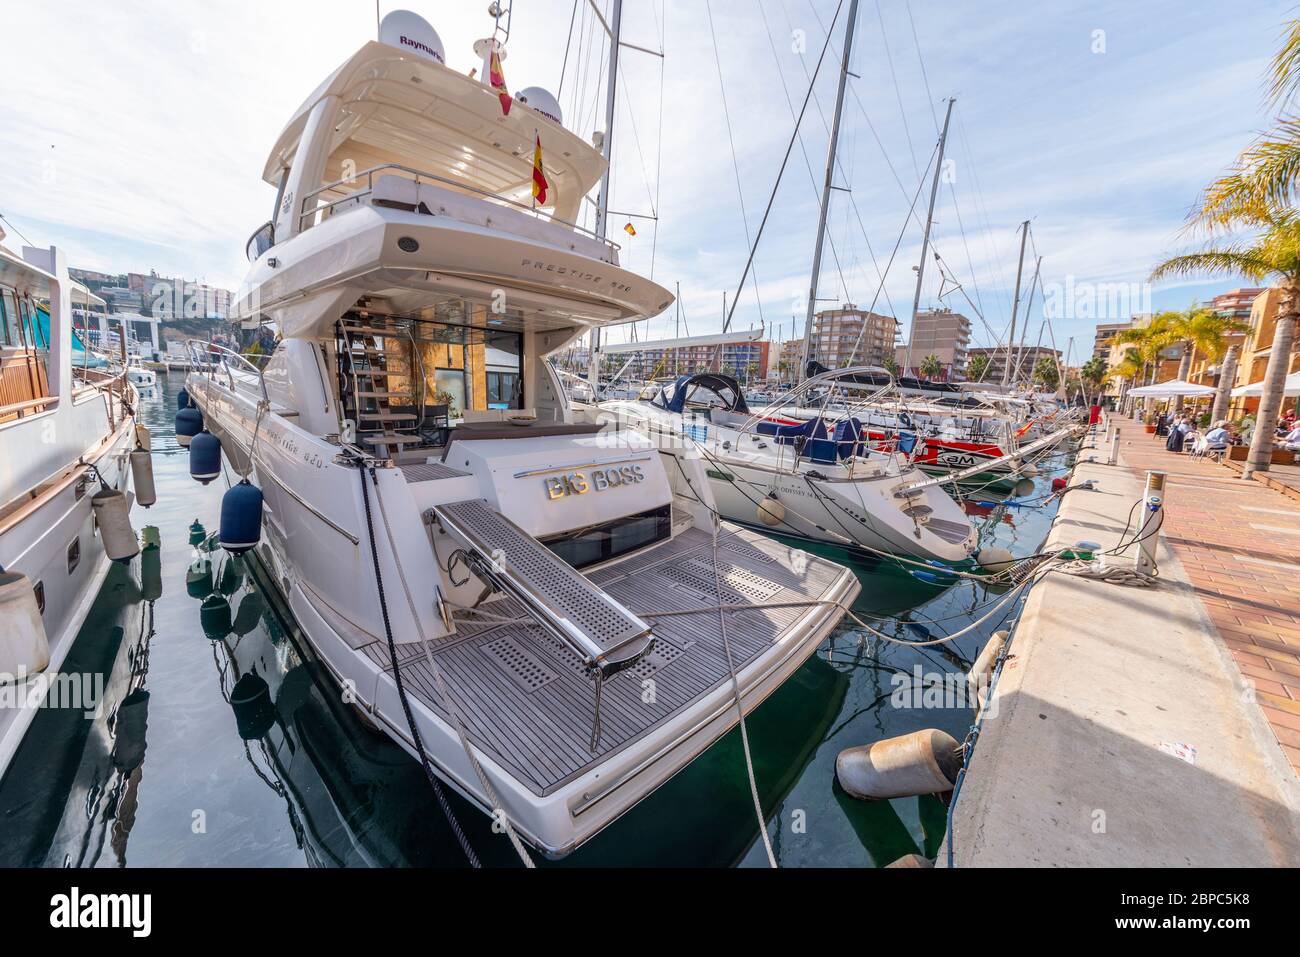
column 931, row 366
column 1092, row 374
column 1266, row 174
column 978, row 365
column 1202, row 330
column 1149, row 341
column 1273, row 254
column 1047, row 372
column 1127, row 371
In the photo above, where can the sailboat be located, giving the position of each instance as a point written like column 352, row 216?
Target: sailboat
column 550, row 617
column 814, row 476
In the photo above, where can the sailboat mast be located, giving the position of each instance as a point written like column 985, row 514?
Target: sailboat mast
column 925, row 233
column 826, row 192
column 1015, row 305
column 606, row 149
column 1029, row 308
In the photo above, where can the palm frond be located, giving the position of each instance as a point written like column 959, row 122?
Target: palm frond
column 1221, row 262
column 1260, row 187
column 1284, row 72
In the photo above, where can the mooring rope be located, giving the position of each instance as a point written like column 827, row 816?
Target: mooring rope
column 447, row 811
column 457, row 722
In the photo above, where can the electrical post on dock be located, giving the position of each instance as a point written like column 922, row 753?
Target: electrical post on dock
column 1153, row 503
column 1114, row 447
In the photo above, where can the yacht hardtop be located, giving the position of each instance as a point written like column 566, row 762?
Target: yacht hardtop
column 549, row 614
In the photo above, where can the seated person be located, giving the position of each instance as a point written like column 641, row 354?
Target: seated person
column 1218, row 438
column 1292, row 440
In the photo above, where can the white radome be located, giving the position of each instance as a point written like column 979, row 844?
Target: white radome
column 411, row 32
column 536, row 98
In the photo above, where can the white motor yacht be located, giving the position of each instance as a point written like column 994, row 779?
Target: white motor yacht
column 140, row 375
column 66, row 435
column 548, row 614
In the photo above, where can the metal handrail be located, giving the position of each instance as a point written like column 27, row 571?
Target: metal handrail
column 432, row 177
column 199, row 347
column 804, row 388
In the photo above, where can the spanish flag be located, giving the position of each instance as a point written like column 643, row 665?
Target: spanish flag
column 499, row 83
column 630, row 229
column 539, row 175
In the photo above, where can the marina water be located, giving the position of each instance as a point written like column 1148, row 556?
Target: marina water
column 239, row 750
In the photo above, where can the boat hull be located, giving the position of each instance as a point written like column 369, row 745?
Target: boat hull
column 37, row 541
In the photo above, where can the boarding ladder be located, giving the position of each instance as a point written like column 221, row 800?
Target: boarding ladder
column 604, row 634
column 366, row 371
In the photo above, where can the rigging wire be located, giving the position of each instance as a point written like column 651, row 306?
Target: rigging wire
column 564, row 65
column 812, row 178
column 898, row 93
column 921, row 60
column 735, row 166
column 781, row 172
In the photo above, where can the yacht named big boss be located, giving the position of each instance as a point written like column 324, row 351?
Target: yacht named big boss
column 568, row 618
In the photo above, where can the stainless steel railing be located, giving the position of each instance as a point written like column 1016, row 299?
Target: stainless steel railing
column 201, row 353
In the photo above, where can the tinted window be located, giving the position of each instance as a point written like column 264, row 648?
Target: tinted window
column 600, row 543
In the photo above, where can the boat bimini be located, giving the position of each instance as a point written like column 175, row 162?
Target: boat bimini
column 810, row 476
column 548, row 615
column 67, row 436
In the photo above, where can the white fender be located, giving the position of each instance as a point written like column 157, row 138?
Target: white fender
column 24, row 647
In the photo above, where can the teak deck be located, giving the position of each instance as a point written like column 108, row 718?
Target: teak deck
column 526, row 700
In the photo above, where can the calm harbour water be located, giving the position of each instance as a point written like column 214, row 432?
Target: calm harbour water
column 239, row 752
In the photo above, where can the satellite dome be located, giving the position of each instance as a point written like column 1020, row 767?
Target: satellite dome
column 542, row 101
column 411, row 32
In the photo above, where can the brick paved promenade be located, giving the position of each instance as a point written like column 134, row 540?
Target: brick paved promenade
column 1240, row 544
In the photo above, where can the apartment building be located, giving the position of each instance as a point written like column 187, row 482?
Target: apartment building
column 937, row 332
column 852, row 336
column 1023, row 362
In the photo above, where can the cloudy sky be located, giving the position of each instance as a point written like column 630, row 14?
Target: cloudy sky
column 134, row 133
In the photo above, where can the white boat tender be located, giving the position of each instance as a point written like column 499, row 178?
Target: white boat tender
column 551, row 596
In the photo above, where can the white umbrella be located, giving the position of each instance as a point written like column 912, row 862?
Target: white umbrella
column 1256, row 389
column 1165, row 390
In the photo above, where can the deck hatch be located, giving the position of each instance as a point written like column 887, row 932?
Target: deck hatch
column 738, row 586
column 522, row 668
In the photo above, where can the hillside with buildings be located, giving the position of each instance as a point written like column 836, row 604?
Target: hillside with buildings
column 155, row 310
